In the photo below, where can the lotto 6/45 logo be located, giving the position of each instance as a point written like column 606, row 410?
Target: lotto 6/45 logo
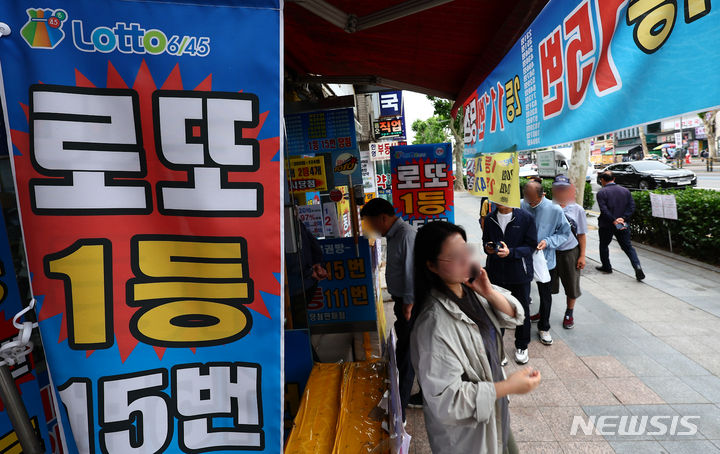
column 43, row 29
column 133, row 39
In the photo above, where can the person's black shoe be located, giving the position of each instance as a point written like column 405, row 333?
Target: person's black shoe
column 639, row 275
column 415, row 401
column 603, row 269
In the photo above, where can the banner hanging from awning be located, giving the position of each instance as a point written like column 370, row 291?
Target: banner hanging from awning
column 585, row 68
column 422, row 182
column 145, row 140
column 495, row 177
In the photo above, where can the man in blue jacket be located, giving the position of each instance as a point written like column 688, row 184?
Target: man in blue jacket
column 553, row 229
column 616, row 206
column 510, row 238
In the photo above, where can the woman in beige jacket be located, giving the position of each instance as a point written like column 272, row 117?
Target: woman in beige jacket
column 456, row 346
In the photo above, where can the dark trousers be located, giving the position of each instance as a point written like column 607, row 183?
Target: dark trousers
column 522, row 293
column 623, row 238
column 406, row 374
column 545, row 291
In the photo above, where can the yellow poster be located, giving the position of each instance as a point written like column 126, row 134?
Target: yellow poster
column 495, row 177
column 307, row 174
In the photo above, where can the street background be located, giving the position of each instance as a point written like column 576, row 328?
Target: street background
column 645, row 348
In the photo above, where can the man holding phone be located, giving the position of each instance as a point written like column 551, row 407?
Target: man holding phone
column 510, row 238
column 616, row 206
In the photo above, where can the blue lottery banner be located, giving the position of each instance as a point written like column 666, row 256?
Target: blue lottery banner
column 347, row 295
column 330, row 132
column 145, row 142
column 585, row 68
column 422, row 182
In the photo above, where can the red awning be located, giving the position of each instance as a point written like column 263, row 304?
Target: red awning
column 445, row 50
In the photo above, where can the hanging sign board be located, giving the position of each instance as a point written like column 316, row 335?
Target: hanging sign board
column 307, row 174
column 422, row 182
column 495, row 177
column 586, row 68
column 146, row 160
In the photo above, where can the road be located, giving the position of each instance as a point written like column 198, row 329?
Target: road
column 707, row 180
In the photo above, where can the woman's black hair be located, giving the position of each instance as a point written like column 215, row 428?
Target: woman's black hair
column 428, row 244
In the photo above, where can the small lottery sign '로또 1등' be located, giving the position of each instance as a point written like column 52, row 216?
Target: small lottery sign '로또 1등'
column 148, row 179
column 422, row 182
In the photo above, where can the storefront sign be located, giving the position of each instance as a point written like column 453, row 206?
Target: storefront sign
column 331, row 229
column 422, row 182
column 312, row 217
column 389, row 127
column 327, row 132
column 496, row 177
column 307, row 174
column 348, row 292
column 380, row 151
column 390, row 103
column 580, row 70
column 324, row 131
column 368, row 174
column 146, row 153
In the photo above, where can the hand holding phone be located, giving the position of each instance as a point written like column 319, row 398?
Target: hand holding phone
column 491, row 247
column 474, row 272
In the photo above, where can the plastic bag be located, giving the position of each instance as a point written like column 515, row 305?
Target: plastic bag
column 542, row 274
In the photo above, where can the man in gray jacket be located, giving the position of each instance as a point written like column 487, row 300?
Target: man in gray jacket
column 380, row 215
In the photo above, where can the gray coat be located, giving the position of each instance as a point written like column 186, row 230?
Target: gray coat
column 448, row 355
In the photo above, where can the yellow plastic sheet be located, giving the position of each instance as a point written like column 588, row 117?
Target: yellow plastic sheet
column 362, row 388
column 335, row 412
column 316, row 420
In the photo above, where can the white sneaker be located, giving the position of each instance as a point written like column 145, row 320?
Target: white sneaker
column 545, row 337
column 503, row 363
column 521, row 356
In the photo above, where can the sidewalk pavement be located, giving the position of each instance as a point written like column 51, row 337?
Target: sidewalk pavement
column 637, row 349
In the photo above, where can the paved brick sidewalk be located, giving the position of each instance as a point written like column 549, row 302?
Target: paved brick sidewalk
column 637, row 349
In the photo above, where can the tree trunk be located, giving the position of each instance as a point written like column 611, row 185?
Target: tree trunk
column 578, row 168
column 458, row 149
column 709, row 120
column 643, row 141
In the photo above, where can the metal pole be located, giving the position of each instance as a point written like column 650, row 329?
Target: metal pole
column 17, row 413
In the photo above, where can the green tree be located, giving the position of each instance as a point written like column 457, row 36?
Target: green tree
column 429, row 131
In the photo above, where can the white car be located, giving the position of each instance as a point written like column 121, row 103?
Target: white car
column 591, row 172
column 528, row 170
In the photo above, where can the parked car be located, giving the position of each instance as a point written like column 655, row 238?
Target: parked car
column 651, row 175
column 590, row 172
column 528, row 170
column 654, row 157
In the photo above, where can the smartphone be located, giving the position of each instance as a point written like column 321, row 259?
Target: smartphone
column 474, row 272
column 621, row 226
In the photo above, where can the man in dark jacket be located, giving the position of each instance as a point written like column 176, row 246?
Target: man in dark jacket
column 510, row 238
column 616, row 206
